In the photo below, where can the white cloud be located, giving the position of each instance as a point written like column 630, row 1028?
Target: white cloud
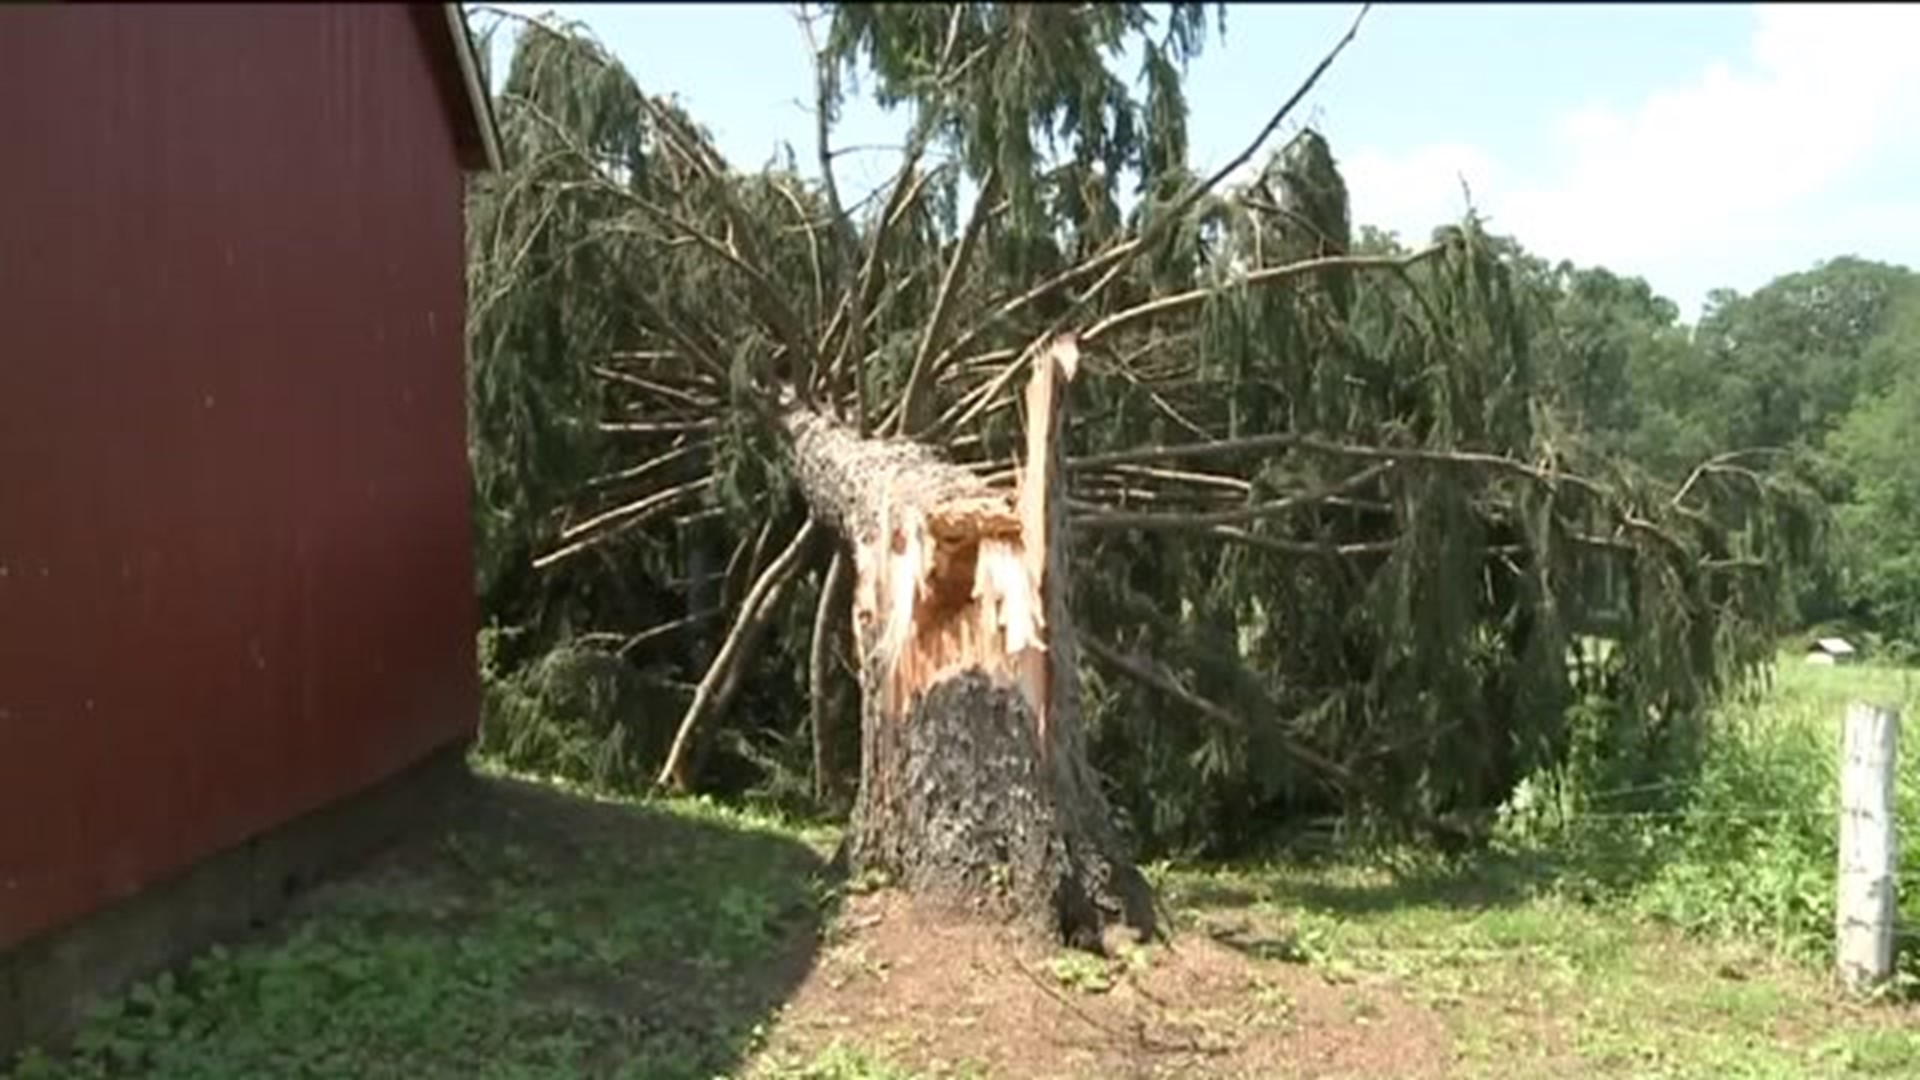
column 1692, row 173
column 1411, row 193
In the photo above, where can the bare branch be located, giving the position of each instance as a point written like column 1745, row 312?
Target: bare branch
column 1181, row 301
column 813, row 241
column 628, row 514
column 665, row 629
column 920, row 377
column 1192, row 197
column 1292, row 440
column 656, row 427
column 658, row 389
column 981, row 400
column 1126, row 252
column 717, row 686
column 1239, row 515
column 1155, row 676
column 765, row 297
column 1230, row 483
column 1158, row 399
column 1013, row 306
column 602, row 527
column 908, row 183
column 1284, row 546
column 823, row 93
column 648, row 468
column 853, row 346
column 828, row 619
column 763, row 294
column 1723, row 463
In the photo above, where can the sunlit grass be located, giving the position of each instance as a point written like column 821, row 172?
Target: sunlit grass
column 571, row 933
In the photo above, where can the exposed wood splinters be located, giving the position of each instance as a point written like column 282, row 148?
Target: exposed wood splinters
column 974, row 782
column 961, row 584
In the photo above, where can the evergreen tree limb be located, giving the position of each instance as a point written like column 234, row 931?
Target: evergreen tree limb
column 905, row 416
column 596, row 530
column 1240, row 515
column 1155, row 676
column 722, row 678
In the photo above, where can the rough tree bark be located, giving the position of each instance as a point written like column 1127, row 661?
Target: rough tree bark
column 975, row 786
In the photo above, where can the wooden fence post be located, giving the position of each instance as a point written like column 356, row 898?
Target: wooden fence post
column 1864, row 913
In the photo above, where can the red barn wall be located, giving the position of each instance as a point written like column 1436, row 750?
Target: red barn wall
column 235, row 571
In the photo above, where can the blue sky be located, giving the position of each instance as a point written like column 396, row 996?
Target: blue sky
column 1699, row 146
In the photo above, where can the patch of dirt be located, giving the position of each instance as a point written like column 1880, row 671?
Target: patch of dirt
column 937, row 994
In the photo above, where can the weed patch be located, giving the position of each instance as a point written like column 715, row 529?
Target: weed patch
column 1746, row 848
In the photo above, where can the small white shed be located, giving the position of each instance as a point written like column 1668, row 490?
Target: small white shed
column 1829, row 651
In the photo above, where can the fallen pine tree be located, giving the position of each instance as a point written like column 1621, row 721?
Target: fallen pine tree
column 1332, row 553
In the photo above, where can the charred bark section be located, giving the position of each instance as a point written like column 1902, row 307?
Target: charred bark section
column 975, row 786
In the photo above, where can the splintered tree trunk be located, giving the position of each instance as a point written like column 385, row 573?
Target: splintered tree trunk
column 975, row 786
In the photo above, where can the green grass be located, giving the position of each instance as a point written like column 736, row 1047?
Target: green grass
column 541, row 932
column 1773, row 878
column 541, row 936
column 1688, row 941
column 1749, row 851
column 838, row 1061
column 1533, row 984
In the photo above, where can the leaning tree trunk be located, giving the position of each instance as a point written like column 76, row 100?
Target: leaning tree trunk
column 975, row 785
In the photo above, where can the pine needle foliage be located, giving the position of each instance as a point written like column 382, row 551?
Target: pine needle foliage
column 1335, row 548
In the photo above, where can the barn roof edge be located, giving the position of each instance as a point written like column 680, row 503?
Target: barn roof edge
column 479, row 101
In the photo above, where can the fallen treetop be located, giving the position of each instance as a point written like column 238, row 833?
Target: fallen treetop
column 1312, row 474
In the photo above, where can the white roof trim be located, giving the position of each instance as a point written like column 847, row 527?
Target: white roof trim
column 478, row 98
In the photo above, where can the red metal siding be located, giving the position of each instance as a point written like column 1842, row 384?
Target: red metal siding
column 235, row 572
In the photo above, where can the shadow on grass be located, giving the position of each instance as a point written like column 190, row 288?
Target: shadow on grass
column 1362, row 885
column 1283, row 910
column 527, row 933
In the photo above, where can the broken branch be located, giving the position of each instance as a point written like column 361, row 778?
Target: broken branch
column 718, row 684
column 602, row 527
column 1155, row 676
column 1238, row 515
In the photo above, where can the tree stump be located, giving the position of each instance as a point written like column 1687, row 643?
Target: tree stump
column 975, row 786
